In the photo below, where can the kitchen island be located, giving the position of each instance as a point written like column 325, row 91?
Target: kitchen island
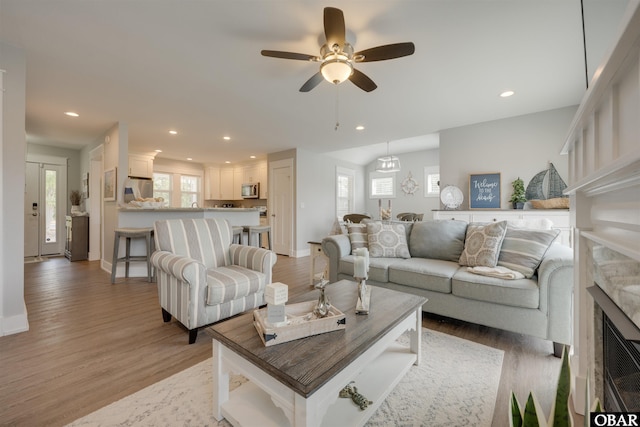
column 134, row 217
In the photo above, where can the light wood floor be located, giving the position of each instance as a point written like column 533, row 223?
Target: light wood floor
column 91, row 343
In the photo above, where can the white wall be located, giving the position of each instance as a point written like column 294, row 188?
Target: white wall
column 516, row 147
column 413, row 163
column 13, row 311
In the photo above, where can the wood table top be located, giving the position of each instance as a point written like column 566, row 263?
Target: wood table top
column 304, row 365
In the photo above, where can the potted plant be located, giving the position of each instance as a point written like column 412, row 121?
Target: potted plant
column 518, row 197
column 75, row 199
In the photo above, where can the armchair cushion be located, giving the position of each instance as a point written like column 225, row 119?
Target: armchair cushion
column 229, row 283
column 204, row 240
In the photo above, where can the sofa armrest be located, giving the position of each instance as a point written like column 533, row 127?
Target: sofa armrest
column 335, row 247
column 555, row 279
column 183, row 268
column 253, row 258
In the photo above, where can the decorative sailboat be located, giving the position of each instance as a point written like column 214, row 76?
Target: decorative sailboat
column 546, row 185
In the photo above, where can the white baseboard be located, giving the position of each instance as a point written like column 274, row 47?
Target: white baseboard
column 14, row 324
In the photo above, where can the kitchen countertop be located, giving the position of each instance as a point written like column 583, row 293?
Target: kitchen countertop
column 170, row 209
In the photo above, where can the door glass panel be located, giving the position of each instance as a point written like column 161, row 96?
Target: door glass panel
column 51, row 178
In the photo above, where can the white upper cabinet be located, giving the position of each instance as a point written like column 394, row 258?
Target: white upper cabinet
column 140, row 166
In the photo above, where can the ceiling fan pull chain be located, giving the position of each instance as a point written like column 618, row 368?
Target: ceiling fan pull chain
column 337, row 107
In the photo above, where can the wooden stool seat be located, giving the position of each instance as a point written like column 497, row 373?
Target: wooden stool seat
column 131, row 233
column 257, row 230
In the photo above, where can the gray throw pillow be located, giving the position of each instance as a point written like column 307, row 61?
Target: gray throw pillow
column 523, row 249
column 387, row 241
column 482, row 244
column 357, row 236
column 441, row 239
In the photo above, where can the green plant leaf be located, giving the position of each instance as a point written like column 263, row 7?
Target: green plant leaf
column 515, row 419
column 532, row 413
column 560, row 414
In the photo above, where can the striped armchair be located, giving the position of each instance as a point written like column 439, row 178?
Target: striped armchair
column 203, row 277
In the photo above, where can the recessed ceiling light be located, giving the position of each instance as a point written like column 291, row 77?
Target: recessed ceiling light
column 507, row 93
column 227, row 161
column 72, row 114
column 360, row 127
column 173, row 132
column 158, row 151
column 189, row 158
column 252, row 157
column 226, row 138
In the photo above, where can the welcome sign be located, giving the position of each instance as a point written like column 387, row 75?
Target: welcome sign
column 484, row 191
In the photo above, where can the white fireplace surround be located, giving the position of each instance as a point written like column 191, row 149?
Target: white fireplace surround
column 603, row 145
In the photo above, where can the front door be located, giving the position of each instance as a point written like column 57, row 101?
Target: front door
column 45, row 208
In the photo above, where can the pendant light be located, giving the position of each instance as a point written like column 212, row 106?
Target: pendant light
column 388, row 163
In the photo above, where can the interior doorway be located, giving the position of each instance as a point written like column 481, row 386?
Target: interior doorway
column 281, row 205
column 45, row 206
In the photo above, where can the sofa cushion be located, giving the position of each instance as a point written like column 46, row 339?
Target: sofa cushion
column 232, row 282
column 523, row 249
column 387, row 241
column 442, row 239
column 482, row 244
column 516, row 293
column 378, row 267
column 357, row 236
column 422, row 273
column 407, row 225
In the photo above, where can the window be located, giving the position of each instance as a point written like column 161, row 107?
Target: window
column 382, row 185
column 431, row 181
column 345, row 182
column 189, row 190
column 162, row 186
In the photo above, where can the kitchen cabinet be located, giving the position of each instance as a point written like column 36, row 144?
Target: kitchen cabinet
column 226, row 184
column 559, row 218
column 238, row 179
column 140, row 166
column 212, row 183
column 77, row 242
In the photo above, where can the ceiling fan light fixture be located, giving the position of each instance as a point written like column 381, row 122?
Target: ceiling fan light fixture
column 336, row 68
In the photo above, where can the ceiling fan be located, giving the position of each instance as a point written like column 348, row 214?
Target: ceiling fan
column 337, row 56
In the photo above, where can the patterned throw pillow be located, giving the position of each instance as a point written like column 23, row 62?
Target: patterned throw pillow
column 482, row 244
column 523, row 249
column 387, row 241
column 357, row 236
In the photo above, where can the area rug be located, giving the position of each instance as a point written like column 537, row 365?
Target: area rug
column 456, row 384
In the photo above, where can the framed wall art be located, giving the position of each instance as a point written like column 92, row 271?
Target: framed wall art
column 484, row 191
column 109, row 185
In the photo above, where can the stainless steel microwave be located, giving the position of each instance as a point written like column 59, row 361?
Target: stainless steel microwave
column 251, row 191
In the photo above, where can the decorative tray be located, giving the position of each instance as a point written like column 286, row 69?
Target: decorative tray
column 301, row 322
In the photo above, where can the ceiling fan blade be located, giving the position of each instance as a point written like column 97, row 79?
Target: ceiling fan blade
column 389, row 51
column 312, row 82
column 289, row 55
column 360, row 79
column 334, row 28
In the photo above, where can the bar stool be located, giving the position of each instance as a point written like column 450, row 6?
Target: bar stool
column 237, row 234
column 131, row 233
column 258, row 230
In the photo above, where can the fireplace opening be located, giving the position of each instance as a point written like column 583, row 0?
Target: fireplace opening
column 621, row 360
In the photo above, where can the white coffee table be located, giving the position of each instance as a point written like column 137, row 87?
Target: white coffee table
column 297, row 383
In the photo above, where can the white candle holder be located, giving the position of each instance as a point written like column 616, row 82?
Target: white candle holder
column 364, row 296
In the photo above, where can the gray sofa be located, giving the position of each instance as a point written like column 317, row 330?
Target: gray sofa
column 540, row 306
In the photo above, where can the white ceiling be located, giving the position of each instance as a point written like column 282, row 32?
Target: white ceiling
column 195, row 66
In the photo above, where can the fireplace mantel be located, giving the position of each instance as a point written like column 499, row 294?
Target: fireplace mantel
column 604, row 184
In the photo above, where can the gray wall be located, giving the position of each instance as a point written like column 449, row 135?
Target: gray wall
column 413, row 163
column 13, row 311
column 516, row 147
